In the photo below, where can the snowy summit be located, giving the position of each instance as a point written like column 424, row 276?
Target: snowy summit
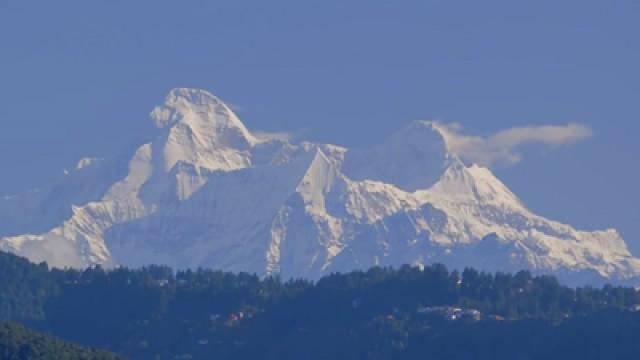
column 207, row 192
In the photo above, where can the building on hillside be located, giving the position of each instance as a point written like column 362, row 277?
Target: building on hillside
column 451, row 313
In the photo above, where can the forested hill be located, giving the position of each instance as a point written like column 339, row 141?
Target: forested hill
column 404, row 313
column 20, row 343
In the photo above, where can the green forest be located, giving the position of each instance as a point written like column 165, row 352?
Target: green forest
column 382, row 313
column 20, row 343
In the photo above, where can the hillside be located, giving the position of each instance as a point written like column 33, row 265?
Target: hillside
column 19, row 343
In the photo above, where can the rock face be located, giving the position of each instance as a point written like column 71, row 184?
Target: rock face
column 207, row 192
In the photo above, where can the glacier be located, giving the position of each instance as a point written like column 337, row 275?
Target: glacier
column 207, row 192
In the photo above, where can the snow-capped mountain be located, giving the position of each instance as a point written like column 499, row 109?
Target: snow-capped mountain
column 207, row 192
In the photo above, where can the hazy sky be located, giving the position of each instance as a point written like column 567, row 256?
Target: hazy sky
column 79, row 78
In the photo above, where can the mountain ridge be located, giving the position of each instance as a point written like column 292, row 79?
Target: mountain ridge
column 207, row 192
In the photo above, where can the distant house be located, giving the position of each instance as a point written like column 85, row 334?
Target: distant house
column 235, row 318
column 471, row 314
column 451, row 313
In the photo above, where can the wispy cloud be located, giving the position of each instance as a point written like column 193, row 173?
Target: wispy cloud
column 504, row 146
column 234, row 107
column 276, row 135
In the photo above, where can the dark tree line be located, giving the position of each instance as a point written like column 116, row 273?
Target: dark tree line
column 155, row 312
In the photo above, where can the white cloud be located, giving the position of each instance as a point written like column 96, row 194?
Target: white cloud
column 276, row 135
column 503, row 146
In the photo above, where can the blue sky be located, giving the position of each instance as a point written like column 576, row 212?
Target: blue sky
column 80, row 77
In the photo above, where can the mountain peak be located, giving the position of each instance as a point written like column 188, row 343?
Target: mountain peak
column 197, row 108
column 195, row 96
column 421, row 132
column 201, row 130
column 412, row 159
column 473, row 185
